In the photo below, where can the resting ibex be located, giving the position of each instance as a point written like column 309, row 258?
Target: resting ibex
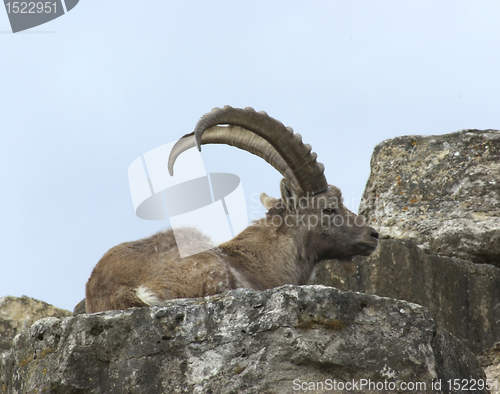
column 307, row 224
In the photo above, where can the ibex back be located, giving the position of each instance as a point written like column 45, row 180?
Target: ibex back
column 309, row 223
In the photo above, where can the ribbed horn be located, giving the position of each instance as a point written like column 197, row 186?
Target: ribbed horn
column 235, row 136
column 297, row 156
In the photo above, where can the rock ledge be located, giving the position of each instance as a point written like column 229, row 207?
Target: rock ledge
column 242, row 341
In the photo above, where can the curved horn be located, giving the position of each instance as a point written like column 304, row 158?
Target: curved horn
column 297, row 155
column 235, row 136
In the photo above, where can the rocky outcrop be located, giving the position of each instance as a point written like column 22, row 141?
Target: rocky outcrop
column 436, row 201
column 18, row 313
column 463, row 297
column 241, row 342
column 441, row 191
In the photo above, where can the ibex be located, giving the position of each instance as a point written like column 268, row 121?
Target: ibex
column 309, row 223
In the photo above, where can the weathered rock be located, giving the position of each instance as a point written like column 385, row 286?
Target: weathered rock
column 240, row 342
column 491, row 365
column 463, row 297
column 442, row 191
column 80, row 307
column 18, row 313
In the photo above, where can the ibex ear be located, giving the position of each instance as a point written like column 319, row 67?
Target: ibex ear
column 288, row 195
column 267, row 201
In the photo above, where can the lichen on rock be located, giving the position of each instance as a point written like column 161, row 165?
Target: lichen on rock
column 19, row 313
column 442, row 191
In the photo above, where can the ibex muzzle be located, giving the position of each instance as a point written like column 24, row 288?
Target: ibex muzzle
column 309, row 223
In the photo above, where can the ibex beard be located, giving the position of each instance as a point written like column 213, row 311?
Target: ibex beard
column 309, row 223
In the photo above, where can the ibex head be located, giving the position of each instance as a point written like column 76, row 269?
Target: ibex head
column 308, row 205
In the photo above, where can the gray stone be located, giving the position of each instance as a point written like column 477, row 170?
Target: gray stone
column 18, row 313
column 491, row 365
column 243, row 341
column 442, row 191
column 79, row 308
column 463, row 297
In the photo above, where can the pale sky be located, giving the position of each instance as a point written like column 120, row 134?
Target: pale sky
column 84, row 95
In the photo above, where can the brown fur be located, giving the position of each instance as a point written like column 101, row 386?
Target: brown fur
column 269, row 253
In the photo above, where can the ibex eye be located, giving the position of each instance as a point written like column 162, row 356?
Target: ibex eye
column 328, row 211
